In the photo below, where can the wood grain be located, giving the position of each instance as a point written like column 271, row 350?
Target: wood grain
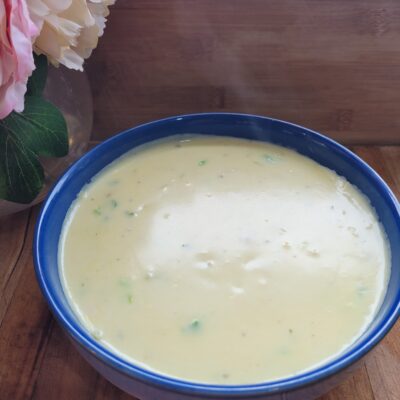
column 12, row 239
column 37, row 362
column 331, row 65
column 25, row 325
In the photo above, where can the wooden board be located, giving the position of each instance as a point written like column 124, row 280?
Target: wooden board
column 37, row 362
column 331, row 65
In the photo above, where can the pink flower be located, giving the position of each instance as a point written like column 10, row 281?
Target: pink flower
column 17, row 32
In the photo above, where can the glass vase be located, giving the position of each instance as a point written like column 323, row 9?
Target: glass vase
column 70, row 92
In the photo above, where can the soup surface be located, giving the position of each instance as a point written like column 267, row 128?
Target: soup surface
column 221, row 260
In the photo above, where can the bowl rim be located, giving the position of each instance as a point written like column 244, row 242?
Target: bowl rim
column 157, row 379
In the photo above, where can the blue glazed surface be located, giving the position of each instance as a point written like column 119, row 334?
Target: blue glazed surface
column 318, row 147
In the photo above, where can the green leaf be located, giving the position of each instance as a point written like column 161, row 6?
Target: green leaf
column 40, row 130
column 41, row 127
column 37, row 81
column 21, row 173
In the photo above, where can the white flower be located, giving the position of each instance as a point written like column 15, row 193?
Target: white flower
column 69, row 29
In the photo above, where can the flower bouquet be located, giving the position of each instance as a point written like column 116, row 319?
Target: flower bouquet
column 34, row 33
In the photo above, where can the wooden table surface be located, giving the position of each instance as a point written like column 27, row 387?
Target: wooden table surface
column 330, row 65
column 38, row 362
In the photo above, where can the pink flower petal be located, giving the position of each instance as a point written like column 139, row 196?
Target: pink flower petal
column 17, row 32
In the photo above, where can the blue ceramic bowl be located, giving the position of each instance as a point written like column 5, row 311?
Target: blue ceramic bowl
column 148, row 385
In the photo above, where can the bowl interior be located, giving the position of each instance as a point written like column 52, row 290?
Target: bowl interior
column 311, row 144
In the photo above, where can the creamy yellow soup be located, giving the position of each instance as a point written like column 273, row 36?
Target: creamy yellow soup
column 221, row 260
